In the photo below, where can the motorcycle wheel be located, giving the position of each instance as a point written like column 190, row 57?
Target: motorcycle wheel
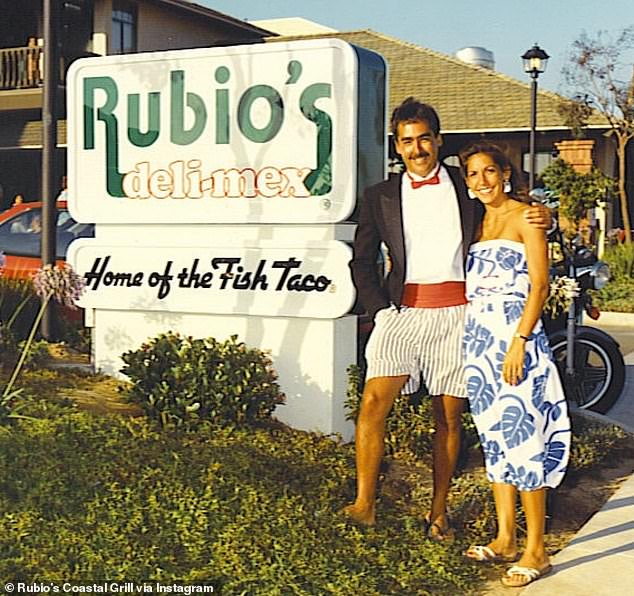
column 599, row 370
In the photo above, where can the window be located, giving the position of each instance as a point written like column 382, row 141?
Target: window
column 21, row 235
column 542, row 159
column 123, row 28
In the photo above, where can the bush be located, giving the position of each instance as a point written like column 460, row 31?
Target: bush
column 620, row 258
column 409, row 428
column 8, row 347
column 179, row 380
column 577, row 193
column 18, row 305
column 618, row 294
column 10, row 350
column 594, row 444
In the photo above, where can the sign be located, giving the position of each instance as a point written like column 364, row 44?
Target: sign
column 310, row 280
column 263, row 133
column 209, row 174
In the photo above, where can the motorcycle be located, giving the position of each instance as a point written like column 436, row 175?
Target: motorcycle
column 589, row 360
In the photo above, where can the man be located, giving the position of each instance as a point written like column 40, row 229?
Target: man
column 426, row 221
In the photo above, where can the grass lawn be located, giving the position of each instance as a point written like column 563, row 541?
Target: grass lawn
column 87, row 496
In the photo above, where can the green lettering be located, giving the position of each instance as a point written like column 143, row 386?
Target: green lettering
column 105, row 114
column 276, row 105
column 319, row 181
column 136, row 137
column 294, row 69
column 178, row 133
column 222, row 107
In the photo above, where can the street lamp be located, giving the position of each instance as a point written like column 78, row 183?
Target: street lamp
column 535, row 61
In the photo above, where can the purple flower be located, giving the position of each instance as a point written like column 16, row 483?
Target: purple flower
column 60, row 283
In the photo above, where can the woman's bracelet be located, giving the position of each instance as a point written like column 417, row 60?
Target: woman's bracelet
column 520, row 336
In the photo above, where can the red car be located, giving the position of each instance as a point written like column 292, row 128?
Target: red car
column 21, row 237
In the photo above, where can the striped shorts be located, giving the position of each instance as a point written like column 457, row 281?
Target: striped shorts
column 419, row 342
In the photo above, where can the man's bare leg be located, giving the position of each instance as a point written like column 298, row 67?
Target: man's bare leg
column 447, row 412
column 377, row 401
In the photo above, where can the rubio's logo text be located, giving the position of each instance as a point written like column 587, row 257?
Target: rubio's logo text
column 206, row 120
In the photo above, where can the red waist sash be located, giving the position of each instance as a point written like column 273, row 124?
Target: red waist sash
column 448, row 293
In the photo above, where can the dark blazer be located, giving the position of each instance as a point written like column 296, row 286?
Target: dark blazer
column 381, row 220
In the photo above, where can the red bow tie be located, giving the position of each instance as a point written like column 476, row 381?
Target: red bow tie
column 435, row 179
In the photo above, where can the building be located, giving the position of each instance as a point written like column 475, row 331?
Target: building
column 86, row 28
column 477, row 102
column 474, row 101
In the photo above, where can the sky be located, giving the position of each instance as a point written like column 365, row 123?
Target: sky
column 507, row 28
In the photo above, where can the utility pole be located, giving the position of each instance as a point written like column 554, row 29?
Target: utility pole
column 49, row 147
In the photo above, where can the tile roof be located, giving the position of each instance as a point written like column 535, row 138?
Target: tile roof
column 468, row 98
column 194, row 7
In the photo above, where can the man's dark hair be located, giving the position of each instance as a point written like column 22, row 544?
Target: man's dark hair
column 412, row 110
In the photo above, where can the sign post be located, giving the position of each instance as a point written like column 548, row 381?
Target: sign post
column 222, row 183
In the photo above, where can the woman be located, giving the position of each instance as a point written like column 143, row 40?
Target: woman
column 515, row 395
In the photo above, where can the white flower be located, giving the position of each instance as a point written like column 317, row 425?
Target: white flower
column 563, row 290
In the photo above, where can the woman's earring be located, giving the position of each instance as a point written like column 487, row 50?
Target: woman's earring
column 507, row 186
column 471, row 194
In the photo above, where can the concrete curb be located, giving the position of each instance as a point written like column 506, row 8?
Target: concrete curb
column 603, row 419
column 615, row 319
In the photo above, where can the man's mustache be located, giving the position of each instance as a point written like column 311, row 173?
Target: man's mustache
column 419, row 155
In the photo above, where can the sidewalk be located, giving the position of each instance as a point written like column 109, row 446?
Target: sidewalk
column 599, row 560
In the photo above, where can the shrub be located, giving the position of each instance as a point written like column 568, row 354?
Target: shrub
column 594, row 444
column 620, row 258
column 18, row 308
column 8, row 347
column 576, row 192
column 18, row 305
column 410, row 425
column 179, row 380
column 251, row 511
column 618, row 294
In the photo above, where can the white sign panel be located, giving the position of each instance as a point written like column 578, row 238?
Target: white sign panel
column 262, row 133
column 311, row 280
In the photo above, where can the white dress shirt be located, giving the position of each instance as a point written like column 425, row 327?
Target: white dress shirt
column 432, row 230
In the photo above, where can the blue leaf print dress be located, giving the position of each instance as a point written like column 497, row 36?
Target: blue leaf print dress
column 524, row 429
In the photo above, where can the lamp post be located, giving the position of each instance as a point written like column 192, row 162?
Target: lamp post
column 535, row 61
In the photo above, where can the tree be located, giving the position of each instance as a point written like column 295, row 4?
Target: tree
column 596, row 65
column 576, row 112
column 577, row 193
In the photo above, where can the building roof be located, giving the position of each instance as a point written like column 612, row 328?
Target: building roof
column 192, row 7
column 468, row 98
column 293, row 26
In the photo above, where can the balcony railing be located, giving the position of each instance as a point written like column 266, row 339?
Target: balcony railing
column 21, row 68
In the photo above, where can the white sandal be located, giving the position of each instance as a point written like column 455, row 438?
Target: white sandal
column 528, row 574
column 485, row 554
